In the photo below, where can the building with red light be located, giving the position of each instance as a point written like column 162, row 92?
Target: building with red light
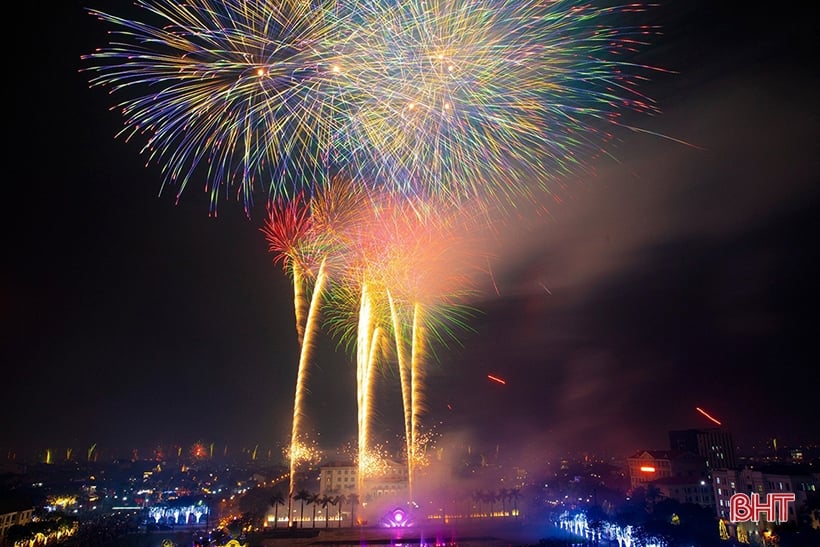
column 648, row 466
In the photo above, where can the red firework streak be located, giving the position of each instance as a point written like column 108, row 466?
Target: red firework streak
column 707, row 415
column 497, row 379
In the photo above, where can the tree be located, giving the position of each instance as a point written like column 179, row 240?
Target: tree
column 324, row 501
column 276, row 500
column 490, row 498
column 515, row 494
column 478, row 497
column 302, row 496
column 313, row 500
column 340, row 499
column 503, row 495
column 354, row 501
column 255, row 502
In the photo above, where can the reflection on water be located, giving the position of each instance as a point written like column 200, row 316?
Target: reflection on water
column 421, row 543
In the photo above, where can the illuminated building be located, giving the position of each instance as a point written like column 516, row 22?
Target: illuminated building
column 648, row 466
column 774, row 479
column 391, row 479
column 337, row 478
column 765, row 480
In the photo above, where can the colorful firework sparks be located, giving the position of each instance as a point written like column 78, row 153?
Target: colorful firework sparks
column 464, row 98
column 199, row 451
column 229, row 90
column 287, row 231
column 708, row 416
column 448, row 98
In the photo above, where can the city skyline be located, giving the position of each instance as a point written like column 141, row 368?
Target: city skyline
column 681, row 275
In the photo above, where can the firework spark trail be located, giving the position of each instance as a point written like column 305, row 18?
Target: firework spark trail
column 369, row 335
column 288, row 232
column 396, row 268
column 406, row 262
column 416, row 382
column 708, row 416
column 302, row 372
column 287, row 229
column 404, row 378
column 302, row 235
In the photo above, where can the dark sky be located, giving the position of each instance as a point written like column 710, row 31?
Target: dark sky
column 678, row 276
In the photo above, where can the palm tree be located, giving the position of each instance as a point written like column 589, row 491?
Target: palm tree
column 490, row 498
column 354, row 501
column 478, row 497
column 324, row 501
column 276, row 500
column 340, row 499
column 503, row 494
column 515, row 494
column 313, row 500
column 302, row 496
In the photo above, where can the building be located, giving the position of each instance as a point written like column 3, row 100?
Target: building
column 337, row 478
column 341, row 479
column 648, row 466
column 766, row 480
column 686, row 490
column 14, row 510
column 716, row 445
column 770, row 479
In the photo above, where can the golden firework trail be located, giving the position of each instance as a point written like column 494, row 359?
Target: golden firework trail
column 369, row 339
column 311, row 329
column 404, row 378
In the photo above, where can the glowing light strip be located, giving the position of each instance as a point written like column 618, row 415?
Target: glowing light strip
column 497, row 379
column 707, row 415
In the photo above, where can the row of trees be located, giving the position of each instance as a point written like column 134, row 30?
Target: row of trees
column 257, row 502
column 503, row 495
column 316, row 500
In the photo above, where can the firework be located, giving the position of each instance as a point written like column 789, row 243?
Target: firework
column 404, row 274
column 287, row 231
column 497, row 380
column 230, row 91
column 305, row 237
column 708, row 416
column 466, row 98
column 450, row 98
column 432, row 106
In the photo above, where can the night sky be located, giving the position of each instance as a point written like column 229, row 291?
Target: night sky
column 677, row 276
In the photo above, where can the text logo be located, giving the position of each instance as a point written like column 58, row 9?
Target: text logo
column 743, row 508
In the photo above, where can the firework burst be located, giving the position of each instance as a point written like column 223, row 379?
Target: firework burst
column 466, row 98
column 231, row 91
column 450, row 98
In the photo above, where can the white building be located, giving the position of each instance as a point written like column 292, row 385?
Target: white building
column 341, row 479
